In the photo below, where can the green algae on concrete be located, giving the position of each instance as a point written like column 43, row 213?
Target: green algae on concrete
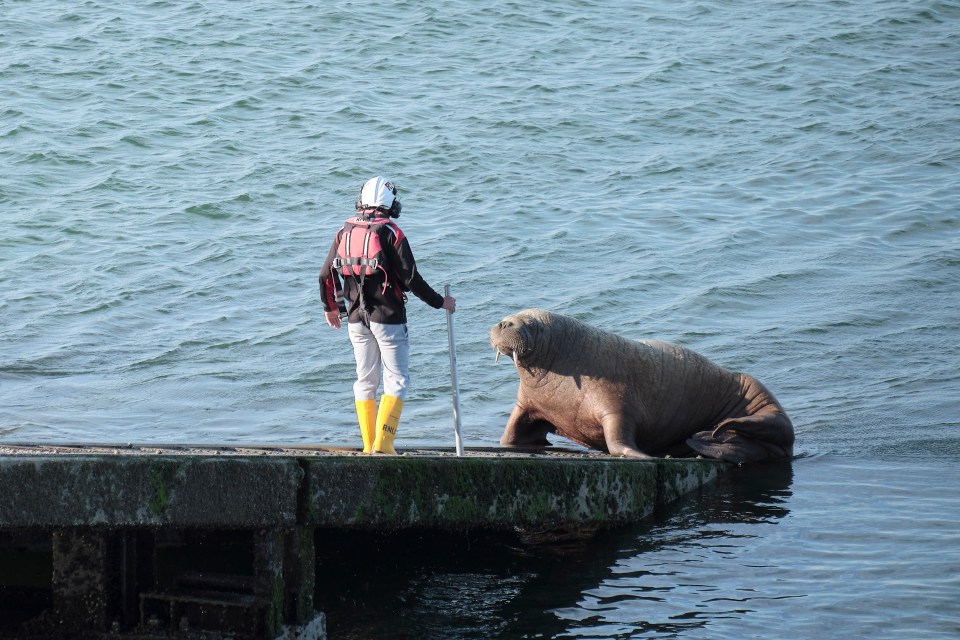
column 160, row 500
column 125, row 491
column 333, row 490
column 456, row 493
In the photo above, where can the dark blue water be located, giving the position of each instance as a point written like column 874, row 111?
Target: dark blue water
column 775, row 187
column 828, row 547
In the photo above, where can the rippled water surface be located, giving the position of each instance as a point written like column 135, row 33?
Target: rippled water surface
column 775, row 187
column 830, row 547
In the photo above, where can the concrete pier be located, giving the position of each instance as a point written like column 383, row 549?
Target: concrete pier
column 169, row 541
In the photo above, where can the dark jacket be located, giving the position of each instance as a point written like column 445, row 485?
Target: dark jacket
column 385, row 305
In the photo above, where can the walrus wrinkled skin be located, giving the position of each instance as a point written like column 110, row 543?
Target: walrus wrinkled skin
column 633, row 398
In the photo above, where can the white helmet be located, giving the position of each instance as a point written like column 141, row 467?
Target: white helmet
column 381, row 194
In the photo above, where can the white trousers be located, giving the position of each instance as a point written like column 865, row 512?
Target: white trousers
column 380, row 347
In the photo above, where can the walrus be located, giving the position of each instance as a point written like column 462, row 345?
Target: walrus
column 638, row 399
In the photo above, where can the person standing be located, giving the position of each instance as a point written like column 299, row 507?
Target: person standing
column 372, row 267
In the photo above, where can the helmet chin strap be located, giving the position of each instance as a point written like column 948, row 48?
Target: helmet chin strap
column 374, row 212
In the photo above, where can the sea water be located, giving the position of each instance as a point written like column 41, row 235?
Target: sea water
column 774, row 185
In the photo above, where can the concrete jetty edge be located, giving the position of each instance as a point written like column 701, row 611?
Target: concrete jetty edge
column 115, row 524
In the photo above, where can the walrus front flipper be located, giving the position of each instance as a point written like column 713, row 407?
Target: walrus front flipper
column 521, row 430
column 747, row 439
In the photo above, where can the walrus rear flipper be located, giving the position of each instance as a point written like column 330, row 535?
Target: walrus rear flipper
column 732, row 447
column 747, row 439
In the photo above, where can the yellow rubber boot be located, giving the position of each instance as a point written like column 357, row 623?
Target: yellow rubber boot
column 388, row 417
column 367, row 417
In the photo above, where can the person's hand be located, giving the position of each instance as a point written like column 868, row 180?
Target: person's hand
column 333, row 319
column 449, row 303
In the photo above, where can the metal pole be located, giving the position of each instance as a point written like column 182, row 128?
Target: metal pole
column 453, row 376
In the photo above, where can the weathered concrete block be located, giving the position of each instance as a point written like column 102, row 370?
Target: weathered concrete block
column 105, row 511
column 491, row 492
column 125, row 491
column 81, row 579
column 678, row 476
column 299, row 575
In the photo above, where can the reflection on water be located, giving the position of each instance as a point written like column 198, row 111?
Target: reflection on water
column 636, row 580
column 823, row 547
column 683, row 571
column 750, row 494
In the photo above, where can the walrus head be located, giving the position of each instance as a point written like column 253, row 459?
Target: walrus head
column 518, row 336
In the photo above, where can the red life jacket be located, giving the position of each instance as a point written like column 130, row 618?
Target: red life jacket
column 360, row 252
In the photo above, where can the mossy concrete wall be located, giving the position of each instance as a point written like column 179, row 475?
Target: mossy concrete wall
column 282, row 491
column 460, row 493
column 107, row 509
column 113, row 491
